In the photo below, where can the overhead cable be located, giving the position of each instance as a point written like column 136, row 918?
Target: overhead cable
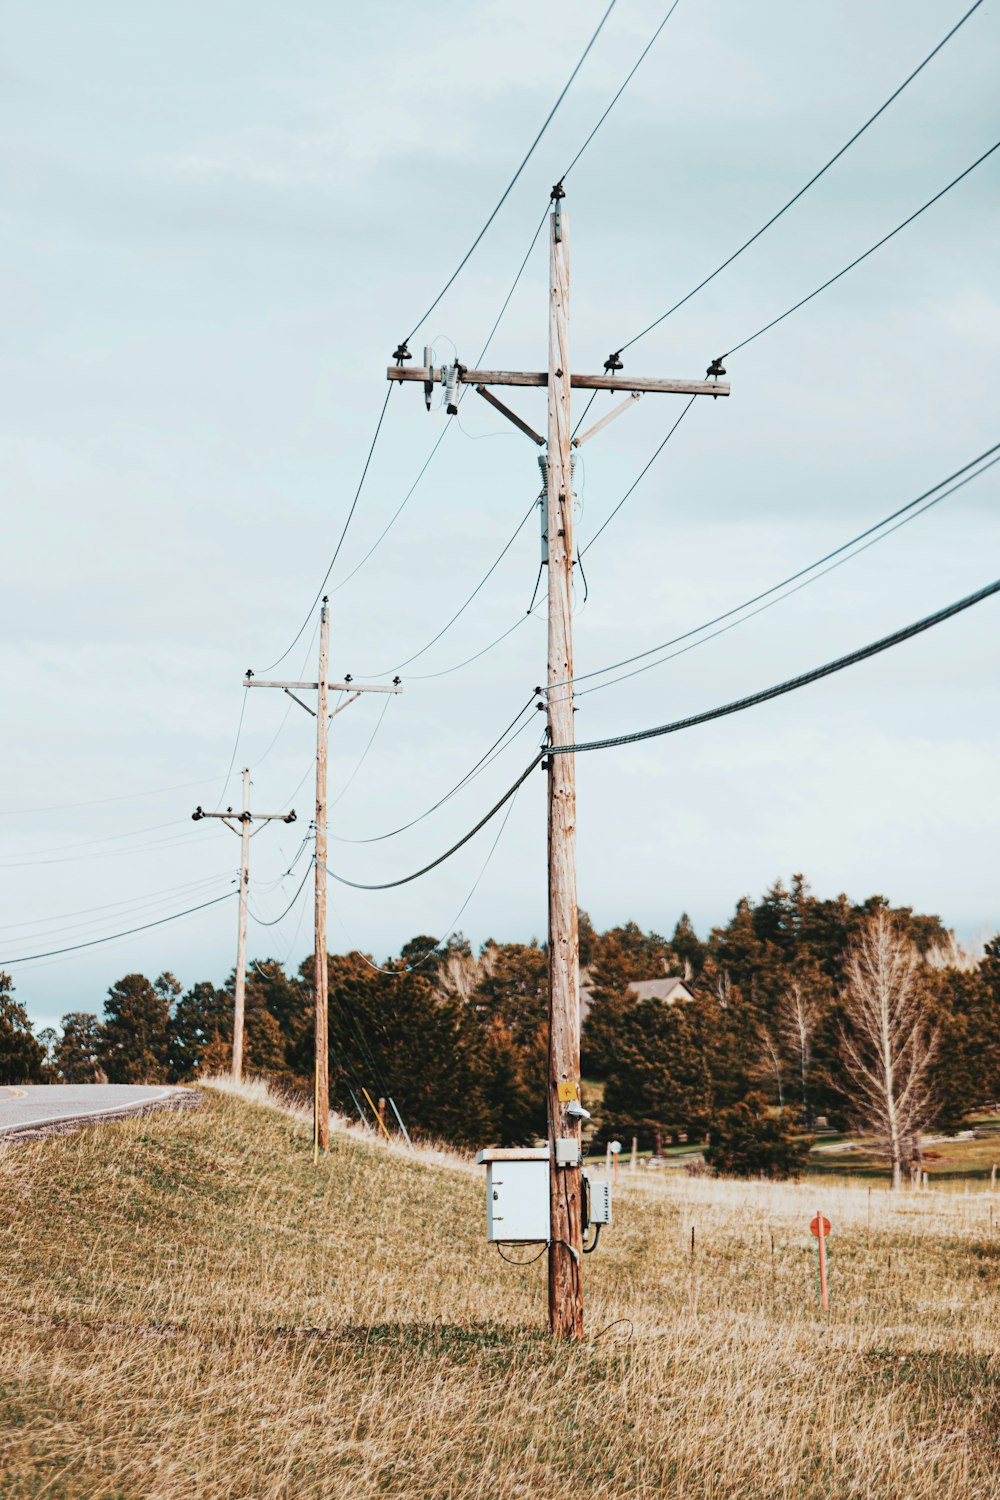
column 628, row 79
column 445, row 430
column 805, row 188
column 364, row 754
column 498, row 746
column 411, row 968
column 858, row 259
column 260, row 920
column 461, row 610
column 627, row 661
column 609, row 518
column 507, row 190
column 159, row 791
column 340, row 540
column 781, row 597
column 789, row 686
column 96, row 942
column 128, row 901
column 387, row 885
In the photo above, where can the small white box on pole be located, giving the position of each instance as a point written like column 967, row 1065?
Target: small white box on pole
column 600, row 1202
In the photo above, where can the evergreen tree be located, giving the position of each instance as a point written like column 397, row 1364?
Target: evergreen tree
column 688, row 948
column 750, row 1140
column 135, row 1039
column 610, row 998
column 201, row 1032
column 21, row 1056
column 967, row 1072
column 659, row 1082
column 77, row 1054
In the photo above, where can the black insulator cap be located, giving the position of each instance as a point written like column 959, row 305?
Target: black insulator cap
column 716, row 368
column 197, row 814
column 348, row 678
column 613, row 362
column 558, row 192
column 396, row 681
column 402, row 352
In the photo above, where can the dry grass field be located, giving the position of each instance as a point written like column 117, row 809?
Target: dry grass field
column 191, row 1308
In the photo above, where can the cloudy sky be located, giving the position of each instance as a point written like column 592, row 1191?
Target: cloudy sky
column 217, row 223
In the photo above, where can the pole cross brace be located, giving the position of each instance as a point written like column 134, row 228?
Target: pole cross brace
column 333, row 687
column 578, row 382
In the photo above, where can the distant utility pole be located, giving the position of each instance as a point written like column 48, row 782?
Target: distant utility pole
column 564, row 1112
column 245, row 818
column 321, row 1071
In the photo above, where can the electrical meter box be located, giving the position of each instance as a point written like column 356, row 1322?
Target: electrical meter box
column 517, row 1194
column 600, row 1202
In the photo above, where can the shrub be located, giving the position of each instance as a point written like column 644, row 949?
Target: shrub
column 752, row 1140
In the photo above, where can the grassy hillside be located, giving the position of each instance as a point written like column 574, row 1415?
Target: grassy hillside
column 190, row 1308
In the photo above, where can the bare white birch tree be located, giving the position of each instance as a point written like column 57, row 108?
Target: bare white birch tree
column 799, row 1014
column 772, row 1063
column 889, row 1046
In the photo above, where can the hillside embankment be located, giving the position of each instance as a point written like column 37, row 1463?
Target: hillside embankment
column 190, row 1308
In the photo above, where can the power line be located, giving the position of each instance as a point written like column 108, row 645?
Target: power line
column 459, row 612
column 804, row 189
column 364, row 753
column 95, row 942
column 387, row 885
column 506, row 192
column 779, row 598
column 83, row 911
column 107, row 838
column 638, row 64
column 792, row 683
column 497, row 748
column 854, row 657
column 131, row 906
column 236, row 746
column 412, row 968
column 340, row 540
column 792, row 577
column 608, row 519
column 260, row 920
column 395, row 515
column 446, row 671
column 399, row 509
column 71, row 859
column 160, row 791
column 858, row 259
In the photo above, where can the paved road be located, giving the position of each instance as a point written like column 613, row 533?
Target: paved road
column 28, row 1105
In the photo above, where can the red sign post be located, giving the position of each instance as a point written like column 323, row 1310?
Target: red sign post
column 820, row 1227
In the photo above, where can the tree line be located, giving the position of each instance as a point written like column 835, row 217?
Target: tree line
column 862, row 1014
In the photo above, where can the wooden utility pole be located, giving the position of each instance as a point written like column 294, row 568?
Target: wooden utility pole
column 321, row 1015
column 245, row 818
column 321, row 1022
column 565, row 1117
column 565, row 1181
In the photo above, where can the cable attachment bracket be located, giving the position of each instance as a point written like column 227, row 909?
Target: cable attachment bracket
column 558, row 194
column 715, row 369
